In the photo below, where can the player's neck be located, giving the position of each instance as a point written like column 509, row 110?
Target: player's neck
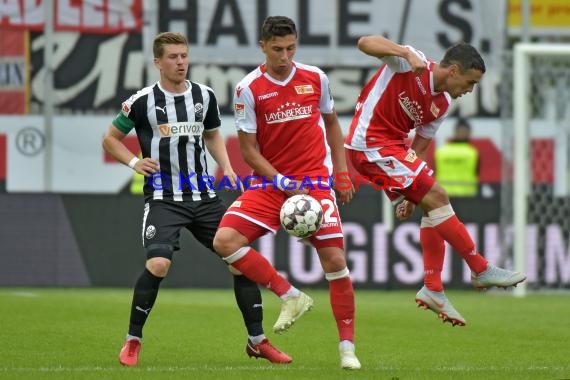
column 174, row 87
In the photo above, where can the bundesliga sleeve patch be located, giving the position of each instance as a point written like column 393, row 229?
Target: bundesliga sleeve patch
column 239, row 110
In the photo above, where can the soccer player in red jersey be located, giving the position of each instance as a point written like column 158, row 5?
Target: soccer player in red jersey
column 411, row 92
column 289, row 134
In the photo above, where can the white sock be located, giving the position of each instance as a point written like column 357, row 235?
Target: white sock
column 292, row 292
column 256, row 339
column 130, row 337
column 346, row 345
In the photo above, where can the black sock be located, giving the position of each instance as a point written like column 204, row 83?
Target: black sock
column 248, row 297
column 144, row 295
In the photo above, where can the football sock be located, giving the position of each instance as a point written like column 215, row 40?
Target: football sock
column 248, row 298
column 292, row 292
column 433, row 249
column 256, row 267
column 256, row 339
column 454, row 232
column 144, row 295
column 342, row 303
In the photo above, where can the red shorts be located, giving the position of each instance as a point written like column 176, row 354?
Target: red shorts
column 256, row 212
column 395, row 169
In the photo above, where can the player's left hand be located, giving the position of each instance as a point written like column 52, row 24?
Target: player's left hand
column 344, row 192
column 404, row 210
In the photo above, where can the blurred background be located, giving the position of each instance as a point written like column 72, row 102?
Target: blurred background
column 70, row 217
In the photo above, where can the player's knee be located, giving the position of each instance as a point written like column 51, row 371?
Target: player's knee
column 234, row 271
column 436, row 197
column 159, row 258
column 158, row 266
column 224, row 243
column 332, row 259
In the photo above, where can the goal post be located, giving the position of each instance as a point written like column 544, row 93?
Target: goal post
column 539, row 69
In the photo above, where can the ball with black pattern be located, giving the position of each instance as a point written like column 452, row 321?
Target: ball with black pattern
column 301, row 215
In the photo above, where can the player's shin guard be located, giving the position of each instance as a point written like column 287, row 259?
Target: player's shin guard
column 256, row 267
column 433, row 249
column 248, row 298
column 342, row 302
column 144, row 296
column 454, row 232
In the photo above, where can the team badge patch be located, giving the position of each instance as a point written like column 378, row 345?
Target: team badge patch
column 304, row 89
column 411, row 157
column 239, row 110
column 150, row 232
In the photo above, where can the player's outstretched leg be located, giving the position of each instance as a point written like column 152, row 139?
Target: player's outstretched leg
column 495, row 276
column 439, row 304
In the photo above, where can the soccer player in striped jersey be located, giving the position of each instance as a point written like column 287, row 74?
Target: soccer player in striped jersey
column 411, row 92
column 288, row 132
column 176, row 121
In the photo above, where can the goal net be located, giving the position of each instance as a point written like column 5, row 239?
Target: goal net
column 535, row 195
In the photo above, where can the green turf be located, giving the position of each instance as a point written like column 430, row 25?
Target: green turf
column 198, row 334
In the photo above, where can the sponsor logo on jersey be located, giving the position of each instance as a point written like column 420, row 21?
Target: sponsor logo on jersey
column 412, row 108
column 268, row 96
column 288, row 112
column 434, row 109
column 181, row 129
column 420, row 85
column 304, row 89
column 239, row 110
column 390, row 164
column 238, row 91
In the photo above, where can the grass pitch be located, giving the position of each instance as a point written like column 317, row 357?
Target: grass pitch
column 198, row 334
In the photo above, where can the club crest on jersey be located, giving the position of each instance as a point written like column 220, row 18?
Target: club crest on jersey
column 411, row 157
column 198, row 111
column 181, row 129
column 434, row 109
column 304, row 89
column 239, row 110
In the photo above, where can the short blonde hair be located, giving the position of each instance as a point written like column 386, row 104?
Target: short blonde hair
column 167, row 38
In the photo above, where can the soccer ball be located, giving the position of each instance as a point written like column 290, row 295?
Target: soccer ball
column 301, row 215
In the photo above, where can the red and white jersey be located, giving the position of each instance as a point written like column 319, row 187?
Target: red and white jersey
column 286, row 116
column 394, row 102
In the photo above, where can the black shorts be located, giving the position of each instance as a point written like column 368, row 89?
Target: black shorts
column 163, row 220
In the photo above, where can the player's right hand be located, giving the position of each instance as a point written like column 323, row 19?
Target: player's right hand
column 146, row 166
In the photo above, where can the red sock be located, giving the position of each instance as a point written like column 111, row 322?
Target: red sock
column 433, row 248
column 256, row 267
column 342, row 303
column 455, row 233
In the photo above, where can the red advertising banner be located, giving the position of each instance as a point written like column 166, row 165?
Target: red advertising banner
column 87, row 16
column 13, row 72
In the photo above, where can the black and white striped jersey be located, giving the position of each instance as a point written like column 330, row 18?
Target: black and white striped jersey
column 169, row 128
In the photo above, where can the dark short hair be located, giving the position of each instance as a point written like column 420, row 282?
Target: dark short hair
column 167, row 38
column 277, row 26
column 465, row 56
